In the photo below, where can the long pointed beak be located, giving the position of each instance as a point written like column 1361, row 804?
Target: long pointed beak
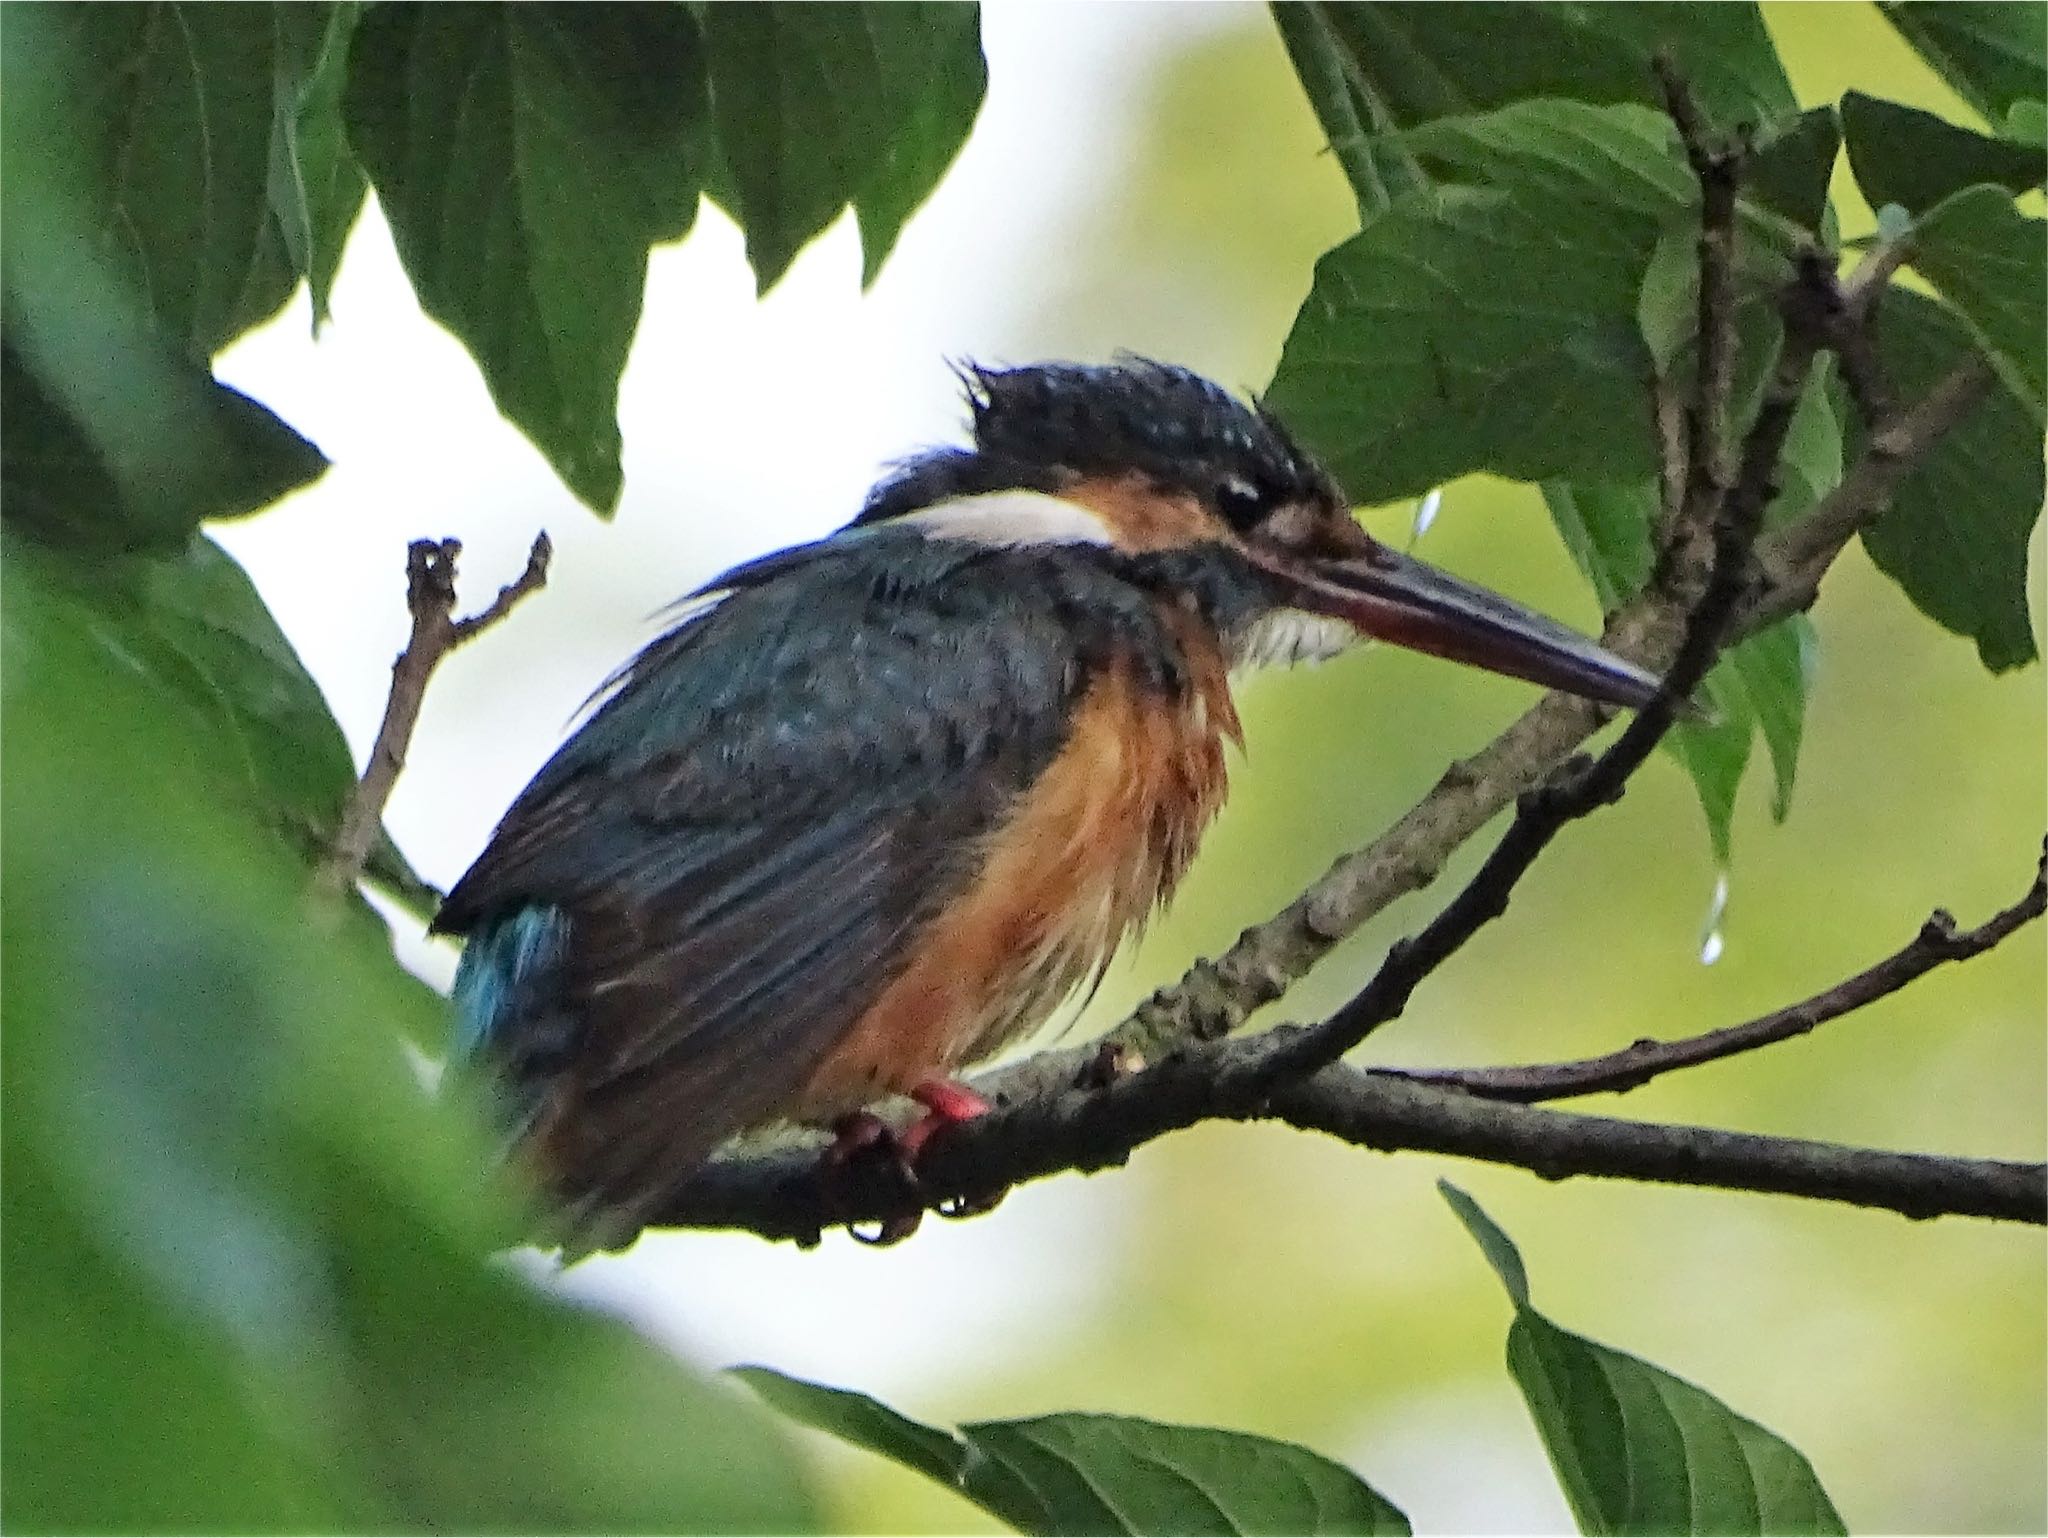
column 1410, row 603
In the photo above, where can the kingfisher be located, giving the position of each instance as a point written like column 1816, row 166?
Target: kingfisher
column 874, row 806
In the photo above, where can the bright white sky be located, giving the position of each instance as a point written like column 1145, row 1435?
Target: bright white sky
column 747, row 425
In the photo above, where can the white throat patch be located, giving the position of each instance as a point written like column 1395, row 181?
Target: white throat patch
column 1287, row 636
column 1010, row 518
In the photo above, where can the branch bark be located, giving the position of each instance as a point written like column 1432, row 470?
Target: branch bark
column 430, row 598
column 1041, row 1129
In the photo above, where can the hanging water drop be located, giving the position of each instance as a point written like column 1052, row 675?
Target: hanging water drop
column 1712, row 938
column 1425, row 514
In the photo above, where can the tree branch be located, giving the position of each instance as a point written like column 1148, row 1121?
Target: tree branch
column 1054, row 1127
column 1937, row 944
column 430, row 598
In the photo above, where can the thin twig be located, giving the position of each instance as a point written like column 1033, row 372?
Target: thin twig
column 430, row 598
column 1794, row 559
column 1937, row 944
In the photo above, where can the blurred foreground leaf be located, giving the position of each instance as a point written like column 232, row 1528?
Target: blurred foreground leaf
column 139, row 239
column 247, row 1265
column 196, row 630
column 1075, row 1474
column 1636, row 1449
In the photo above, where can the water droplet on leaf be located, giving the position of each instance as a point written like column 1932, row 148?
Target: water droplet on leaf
column 1713, row 941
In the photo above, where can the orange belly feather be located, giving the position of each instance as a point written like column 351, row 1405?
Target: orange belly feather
column 1084, row 857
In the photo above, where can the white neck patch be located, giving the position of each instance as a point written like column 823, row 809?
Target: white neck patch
column 1010, row 518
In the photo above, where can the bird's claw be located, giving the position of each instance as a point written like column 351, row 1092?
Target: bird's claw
column 862, row 1134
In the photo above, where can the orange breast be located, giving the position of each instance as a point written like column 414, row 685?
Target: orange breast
column 1085, row 856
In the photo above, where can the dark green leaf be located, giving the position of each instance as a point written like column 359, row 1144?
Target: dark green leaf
column 110, row 440
column 1637, row 1449
column 2027, row 123
column 316, row 189
column 1491, row 326
column 1450, row 59
column 821, row 106
column 862, row 1421
column 1789, row 174
column 1500, row 1251
column 157, row 119
column 1491, row 323
column 115, row 436
column 526, row 157
column 1118, row 1474
column 1990, row 51
column 1955, row 536
column 1075, row 1474
column 195, row 628
column 248, row 1272
column 924, row 145
column 1991, row 263
column 1915, row 159
column 1715, row 753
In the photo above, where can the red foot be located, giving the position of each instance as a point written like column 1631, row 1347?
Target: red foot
column 945, row 1103
column 858, row 1132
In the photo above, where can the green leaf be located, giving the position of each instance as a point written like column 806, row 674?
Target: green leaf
column 2027, row 123
column 926, row 142
column 1915, row 159
column 1637, row 1449
column 110, row 441
column 1955, row 536
column 1989, row 51
column 821, row 106
column 248, row 1265
column 115, row 435
column 1789, row 173
column 1991, row 263
column 1761, row 684
column 194, row 627
column 864, row 1422
column 1490, row 323
column 1356, row 121
column 526, row 157
column 1075, row 1474
column 1417, row 63
column 158, row 119
column 316, row 189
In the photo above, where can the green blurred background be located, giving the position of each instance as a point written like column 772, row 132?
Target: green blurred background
column 1252, row 1277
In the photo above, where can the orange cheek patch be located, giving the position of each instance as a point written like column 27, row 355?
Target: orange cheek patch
column 1139, row 516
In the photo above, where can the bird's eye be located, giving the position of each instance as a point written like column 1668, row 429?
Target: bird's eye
column 1240, row 502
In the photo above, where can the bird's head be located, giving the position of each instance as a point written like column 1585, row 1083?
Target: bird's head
column 1157, row 463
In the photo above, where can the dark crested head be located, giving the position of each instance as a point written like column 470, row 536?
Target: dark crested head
column 1050, row 426
column 1178, row 482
